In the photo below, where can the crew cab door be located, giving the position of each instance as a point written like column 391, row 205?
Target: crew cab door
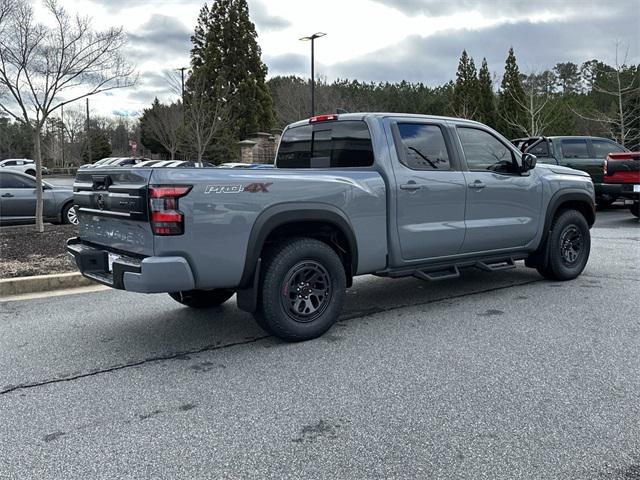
column 430, row 190
column 503, row 207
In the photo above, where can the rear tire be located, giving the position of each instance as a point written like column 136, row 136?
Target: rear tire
column 302, row 290
column 635, row 209
column 202, row 298
column 31, row 172
column 604, row 202
column 568, row 247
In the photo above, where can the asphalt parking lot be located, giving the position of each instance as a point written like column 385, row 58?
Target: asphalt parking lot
column 501, row 375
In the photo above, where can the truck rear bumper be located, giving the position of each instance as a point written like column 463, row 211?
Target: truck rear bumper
column 134, row 274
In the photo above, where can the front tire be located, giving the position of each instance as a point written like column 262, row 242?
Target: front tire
column 303, row 290
column 202, row 298
column 568, row 247
column 69, row 215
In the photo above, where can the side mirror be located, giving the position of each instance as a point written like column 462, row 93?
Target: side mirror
column 529, row 161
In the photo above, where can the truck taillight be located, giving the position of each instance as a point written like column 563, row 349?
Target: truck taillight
column 164, row 215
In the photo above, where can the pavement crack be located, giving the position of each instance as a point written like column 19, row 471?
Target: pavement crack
column 115, row 368
column 176, row 355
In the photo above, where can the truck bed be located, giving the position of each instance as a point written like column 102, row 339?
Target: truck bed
column 220, row 211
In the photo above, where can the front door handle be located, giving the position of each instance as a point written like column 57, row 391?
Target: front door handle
column 477, row 185
column 410, row 185
column 7, row 195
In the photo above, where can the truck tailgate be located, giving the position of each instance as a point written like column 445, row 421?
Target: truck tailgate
column 622, row 168
column 113, row 209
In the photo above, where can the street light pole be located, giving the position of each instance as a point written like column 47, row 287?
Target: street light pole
column 182, row 69
column 312, row 38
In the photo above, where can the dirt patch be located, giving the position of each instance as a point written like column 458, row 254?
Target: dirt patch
column 24, row 252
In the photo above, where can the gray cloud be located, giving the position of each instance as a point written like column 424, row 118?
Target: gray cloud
column 433, row 60
column 263, row 20
column 159, row 38
column 505, row 7
column 287, row 64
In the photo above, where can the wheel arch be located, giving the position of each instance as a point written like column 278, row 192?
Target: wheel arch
column 313, row 220
column 562, row 200
column 570, row 199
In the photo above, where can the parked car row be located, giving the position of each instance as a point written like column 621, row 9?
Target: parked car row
column 141, row 162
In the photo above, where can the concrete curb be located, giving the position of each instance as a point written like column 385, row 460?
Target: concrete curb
column 42, row 283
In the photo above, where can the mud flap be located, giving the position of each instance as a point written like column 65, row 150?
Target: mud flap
column 247, row 298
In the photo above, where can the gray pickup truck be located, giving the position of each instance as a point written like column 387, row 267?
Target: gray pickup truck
column 352, row 194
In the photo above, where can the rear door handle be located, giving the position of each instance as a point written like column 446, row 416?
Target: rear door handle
column 7, row 195
column 477, row 184
column 411, row 185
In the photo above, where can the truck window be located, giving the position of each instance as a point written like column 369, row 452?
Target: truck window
column 423, row 147
column 483, row 151
column 574, row 148
column 341, row 144
column 540, row 149
column 602, row 148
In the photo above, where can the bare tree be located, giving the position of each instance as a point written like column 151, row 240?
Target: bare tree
column 207, row 113
column 617, row 121
column 164, row 123
column 537, row 106
column 44, row 66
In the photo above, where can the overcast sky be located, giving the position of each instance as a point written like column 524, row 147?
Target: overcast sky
column 372, row 40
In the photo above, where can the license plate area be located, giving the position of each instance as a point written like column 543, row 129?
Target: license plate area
column 636, row 189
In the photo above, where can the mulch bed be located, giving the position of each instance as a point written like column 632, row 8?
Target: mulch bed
column 23, row 252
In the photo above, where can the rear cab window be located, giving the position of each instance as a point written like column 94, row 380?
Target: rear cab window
column 422, row 147
column 602, row 148
column 574, row 148
column 338, row 144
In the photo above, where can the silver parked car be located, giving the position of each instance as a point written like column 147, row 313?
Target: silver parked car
column 24, row 165
column 18, row 200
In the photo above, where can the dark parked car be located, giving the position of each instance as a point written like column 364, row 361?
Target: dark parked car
column 582, row 153
column 18, row 200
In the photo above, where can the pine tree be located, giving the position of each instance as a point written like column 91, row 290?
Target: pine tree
column 465, row 91
column 486, row 100
column 511, row 99
column 226, row 57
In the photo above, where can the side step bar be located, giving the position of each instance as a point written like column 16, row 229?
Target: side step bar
column 497, row 266
column 446, row 274
column 453, row 271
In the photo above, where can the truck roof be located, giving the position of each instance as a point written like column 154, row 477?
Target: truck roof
column 364, row 115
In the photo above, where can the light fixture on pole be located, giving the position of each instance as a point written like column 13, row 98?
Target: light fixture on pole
column 311, row 38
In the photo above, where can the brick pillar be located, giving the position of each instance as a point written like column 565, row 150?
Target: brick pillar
column 246, row 151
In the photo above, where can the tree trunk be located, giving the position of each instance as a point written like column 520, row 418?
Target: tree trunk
column 39, row 199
